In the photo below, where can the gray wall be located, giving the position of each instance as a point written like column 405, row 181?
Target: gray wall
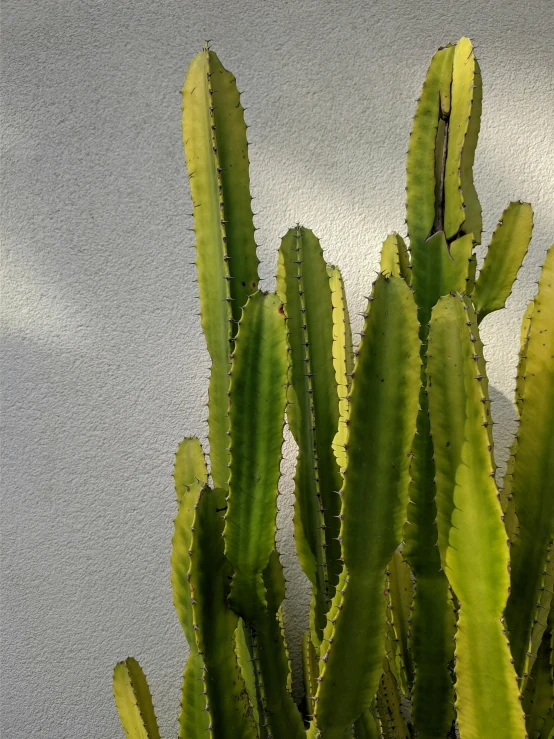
column 104, row 367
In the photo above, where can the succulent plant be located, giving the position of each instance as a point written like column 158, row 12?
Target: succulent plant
column 431, row 588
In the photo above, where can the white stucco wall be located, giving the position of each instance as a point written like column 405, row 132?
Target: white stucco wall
column 104, row 367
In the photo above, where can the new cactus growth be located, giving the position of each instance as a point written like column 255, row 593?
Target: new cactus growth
column 423, row 621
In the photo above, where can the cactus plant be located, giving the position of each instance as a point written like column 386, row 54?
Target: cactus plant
column 423, row 621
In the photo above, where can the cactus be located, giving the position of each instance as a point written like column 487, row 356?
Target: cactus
column 423, row 622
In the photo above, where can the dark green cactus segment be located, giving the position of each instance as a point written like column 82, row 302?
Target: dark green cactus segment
column 368, row 726
column 310, row 669
column 401, row 596
column 244, row 657
column 455, row 187
column 395, row 258
column 423, row 209
column 383, row 411
column 432, row 646
column 214, row 137
column 194, row 720
column 389, row 705
column 190, row 476
column 471, row 534
column 278, row 711
column 504, row 257
column 215, row 624
column 538, row 696
column 133, row 701
column 257, row 409
column 533, row 470
column 313, row 412
column 439, row 269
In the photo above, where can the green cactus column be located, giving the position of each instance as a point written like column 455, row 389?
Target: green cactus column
column 383, row 410
column 472, row 539
column 444, row 221
column 216, row 151
column 532, row 480
column 313, row 412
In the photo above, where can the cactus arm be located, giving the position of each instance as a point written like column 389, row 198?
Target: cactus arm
column 343, row 359
column 471, row 534
column 257, row 408
column 438, row 269
column 214, row 137
column 368, row 726
column 463, row 84
column 473, row 221
column 395, row 258
column 190, row 476
column 194, row 720
column 532, row 479
column 434, row 102
column 389, row 705
column 278, row 711
column 538, row 696
column 215, row 624
column 383, row 411
column 310, row 669
column 505, row 254
column 246, row 665
column 401, row 594
column 522, row 365
column 190, row 473
column 506, row 496
column 133, row 701
column 313, row 409
column 434, row 273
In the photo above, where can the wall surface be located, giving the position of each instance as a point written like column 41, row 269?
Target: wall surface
column 104, row 368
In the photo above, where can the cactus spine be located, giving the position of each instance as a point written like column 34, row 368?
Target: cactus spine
column 398, row 522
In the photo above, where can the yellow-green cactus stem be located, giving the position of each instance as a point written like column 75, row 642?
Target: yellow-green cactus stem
column 435, row 271
column 472, row 540
column 395, row 258
column 133, row 701
column 343, row 358
column 424, row 185
column 532, row 479
column 383, row 410
column 504, row 257
column 194, row 719
column 216, row 151
column 460, row 198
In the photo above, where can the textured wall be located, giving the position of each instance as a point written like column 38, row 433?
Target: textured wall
column 104, row 367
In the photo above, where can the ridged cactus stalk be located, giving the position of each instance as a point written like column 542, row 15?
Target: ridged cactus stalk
column 431, row 609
